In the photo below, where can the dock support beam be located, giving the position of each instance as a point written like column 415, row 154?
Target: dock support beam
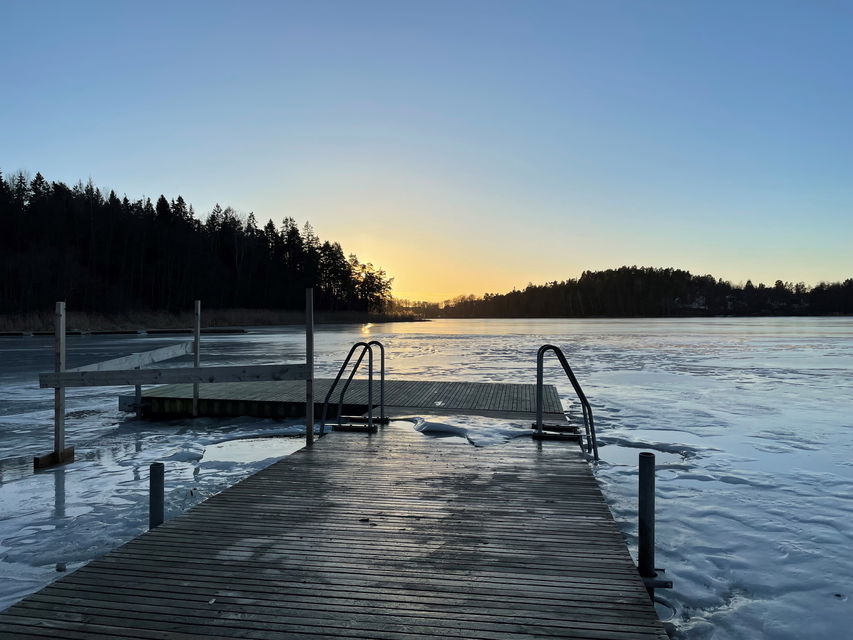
column 156, row 494
column 196, row 352
column 60, row 453
column 309, row 359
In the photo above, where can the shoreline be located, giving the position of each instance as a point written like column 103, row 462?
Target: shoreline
column 225, row 321
column 152, row 322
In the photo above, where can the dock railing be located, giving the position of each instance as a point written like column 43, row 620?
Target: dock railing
column 589, row 424
column 127, row 370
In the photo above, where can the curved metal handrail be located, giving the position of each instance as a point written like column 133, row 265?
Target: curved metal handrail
column 589, row 424
column 365, row 348
column 382, row 419
column 334, row 384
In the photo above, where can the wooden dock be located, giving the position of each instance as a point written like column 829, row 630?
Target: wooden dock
column 282, row 399
column 391, row 535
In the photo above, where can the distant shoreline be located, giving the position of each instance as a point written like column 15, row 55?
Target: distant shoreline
column 213, row 321
column 224, row 321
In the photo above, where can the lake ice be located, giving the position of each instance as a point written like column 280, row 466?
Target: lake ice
column 751, row 420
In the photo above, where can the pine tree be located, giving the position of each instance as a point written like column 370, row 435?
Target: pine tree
column 179, row 209
column 163, row 211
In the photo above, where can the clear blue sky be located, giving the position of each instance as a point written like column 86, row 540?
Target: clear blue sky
column 463, row 146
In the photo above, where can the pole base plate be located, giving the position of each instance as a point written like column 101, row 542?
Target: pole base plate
column 52, row 459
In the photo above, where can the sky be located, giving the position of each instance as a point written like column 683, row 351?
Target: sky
column 465, row 147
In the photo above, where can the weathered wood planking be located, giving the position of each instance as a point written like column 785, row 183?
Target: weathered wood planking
column 221, row 375
column 287, row 398
column 395, row 535
column 139, row 359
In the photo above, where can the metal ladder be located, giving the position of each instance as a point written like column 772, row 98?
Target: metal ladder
column 366, row 347
column 588, row 423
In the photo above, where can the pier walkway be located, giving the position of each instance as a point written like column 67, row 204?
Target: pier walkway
column 391, row 535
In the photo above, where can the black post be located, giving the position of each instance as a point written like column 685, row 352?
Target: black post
column 646, row 550
column 309, row 360
column 156, row 494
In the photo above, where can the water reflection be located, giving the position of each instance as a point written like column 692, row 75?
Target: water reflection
column 15, row 468
column 59, row 495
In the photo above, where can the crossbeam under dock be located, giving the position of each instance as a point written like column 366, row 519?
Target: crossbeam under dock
column 394, row 535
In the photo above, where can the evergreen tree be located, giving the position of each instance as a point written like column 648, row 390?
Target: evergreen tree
column 109, row 254
column 163, row 211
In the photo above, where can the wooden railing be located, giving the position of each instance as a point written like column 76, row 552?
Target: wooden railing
column 127, row 370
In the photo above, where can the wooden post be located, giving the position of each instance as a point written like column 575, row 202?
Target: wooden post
column 60, row 452
column 137, row 401
column 646, row 529
column 540, row 389
column 156, row 494
column 309, row 359
column 59, row 392
column 196, row 352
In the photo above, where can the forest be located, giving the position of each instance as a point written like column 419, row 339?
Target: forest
column 651, row 292
column 104, row 253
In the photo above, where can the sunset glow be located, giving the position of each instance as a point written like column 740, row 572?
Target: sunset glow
column 510, row 144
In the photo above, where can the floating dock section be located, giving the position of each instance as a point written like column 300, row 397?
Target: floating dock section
column 285, row 399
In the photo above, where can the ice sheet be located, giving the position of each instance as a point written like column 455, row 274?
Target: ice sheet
column 751, row 418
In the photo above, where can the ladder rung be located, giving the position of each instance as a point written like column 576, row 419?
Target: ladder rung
column 357, row 419
column 354, row 427
column 568, row 437
column 571, row 428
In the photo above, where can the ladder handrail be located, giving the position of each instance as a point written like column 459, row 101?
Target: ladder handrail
column 589, row 424
column 366, row 348
column 381, row 379
column 334, row 384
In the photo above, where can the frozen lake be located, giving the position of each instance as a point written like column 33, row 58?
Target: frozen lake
column 751, row 420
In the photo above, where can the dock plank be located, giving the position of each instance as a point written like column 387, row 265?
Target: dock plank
column 395, row 535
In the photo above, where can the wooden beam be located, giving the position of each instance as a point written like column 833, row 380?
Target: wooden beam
column 196, row 352
column 253, row 373
column 309, row 357
column 139, row 359
column 53, row 458
column 59, row 394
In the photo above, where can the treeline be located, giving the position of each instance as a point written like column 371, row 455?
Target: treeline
column 105, row 253
column 650, row 292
